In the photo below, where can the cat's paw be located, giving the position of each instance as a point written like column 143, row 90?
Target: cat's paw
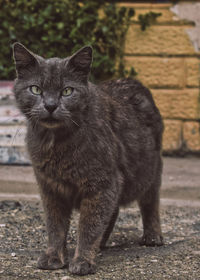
column 80, row 266
column 51, row 260
column 151, row 239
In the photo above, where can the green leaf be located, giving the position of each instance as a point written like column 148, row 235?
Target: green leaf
column 60, row 25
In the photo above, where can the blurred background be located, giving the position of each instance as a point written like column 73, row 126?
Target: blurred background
column 156, row 42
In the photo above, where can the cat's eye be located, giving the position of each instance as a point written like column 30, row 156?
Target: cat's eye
column 67, row 91
column 35, row 90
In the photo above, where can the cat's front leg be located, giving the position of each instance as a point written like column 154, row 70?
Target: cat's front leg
column 95, row 213
column 57, row 213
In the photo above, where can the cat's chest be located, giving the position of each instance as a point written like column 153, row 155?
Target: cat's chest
column 61, row 163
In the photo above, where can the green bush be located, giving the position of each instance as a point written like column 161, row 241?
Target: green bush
column 60, row 27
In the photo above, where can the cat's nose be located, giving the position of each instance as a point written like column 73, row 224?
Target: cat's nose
column 50, row 107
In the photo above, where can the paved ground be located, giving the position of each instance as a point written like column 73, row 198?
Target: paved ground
column 23, row 231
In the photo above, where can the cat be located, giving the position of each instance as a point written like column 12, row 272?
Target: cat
column 93, row 148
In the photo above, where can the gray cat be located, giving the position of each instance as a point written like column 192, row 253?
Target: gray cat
column 93, row 148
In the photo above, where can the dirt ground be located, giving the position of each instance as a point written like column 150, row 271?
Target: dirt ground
column 23, row 235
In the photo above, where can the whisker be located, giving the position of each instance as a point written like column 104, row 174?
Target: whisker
column 69, row 117
column 17, row 131
column 74, row 121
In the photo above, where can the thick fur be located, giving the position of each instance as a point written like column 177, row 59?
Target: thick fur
column 98, row 150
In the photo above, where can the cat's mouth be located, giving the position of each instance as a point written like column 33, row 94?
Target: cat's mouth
column 50, row 122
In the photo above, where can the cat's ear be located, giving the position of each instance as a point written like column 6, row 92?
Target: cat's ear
column 25, row 60
column 81, row 61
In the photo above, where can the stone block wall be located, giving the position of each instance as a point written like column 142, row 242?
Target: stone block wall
column 166, row 60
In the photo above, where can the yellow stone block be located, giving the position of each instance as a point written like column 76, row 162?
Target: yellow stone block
column 191, row 135
column 192, row 72
column 158, row 39
column 166, row 15
column 158, row 72
column 143, row 5
column 172, row 139
column 178, row 104
column 143, row 8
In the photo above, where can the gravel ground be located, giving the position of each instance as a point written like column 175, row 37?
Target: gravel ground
column 23, row 236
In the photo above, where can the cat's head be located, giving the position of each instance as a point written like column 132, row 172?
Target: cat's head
column 52, row 92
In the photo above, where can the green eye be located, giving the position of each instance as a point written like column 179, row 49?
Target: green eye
column 35, row 90
column 67, row 91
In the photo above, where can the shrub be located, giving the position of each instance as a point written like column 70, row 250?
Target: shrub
column 60, row 27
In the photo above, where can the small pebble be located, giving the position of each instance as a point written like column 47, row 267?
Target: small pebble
column 66, row 278
column 196, row 253
column 13, row 254
column 2, row 225
column 154, row 260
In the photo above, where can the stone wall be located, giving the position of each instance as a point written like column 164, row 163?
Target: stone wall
column 166, row 58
